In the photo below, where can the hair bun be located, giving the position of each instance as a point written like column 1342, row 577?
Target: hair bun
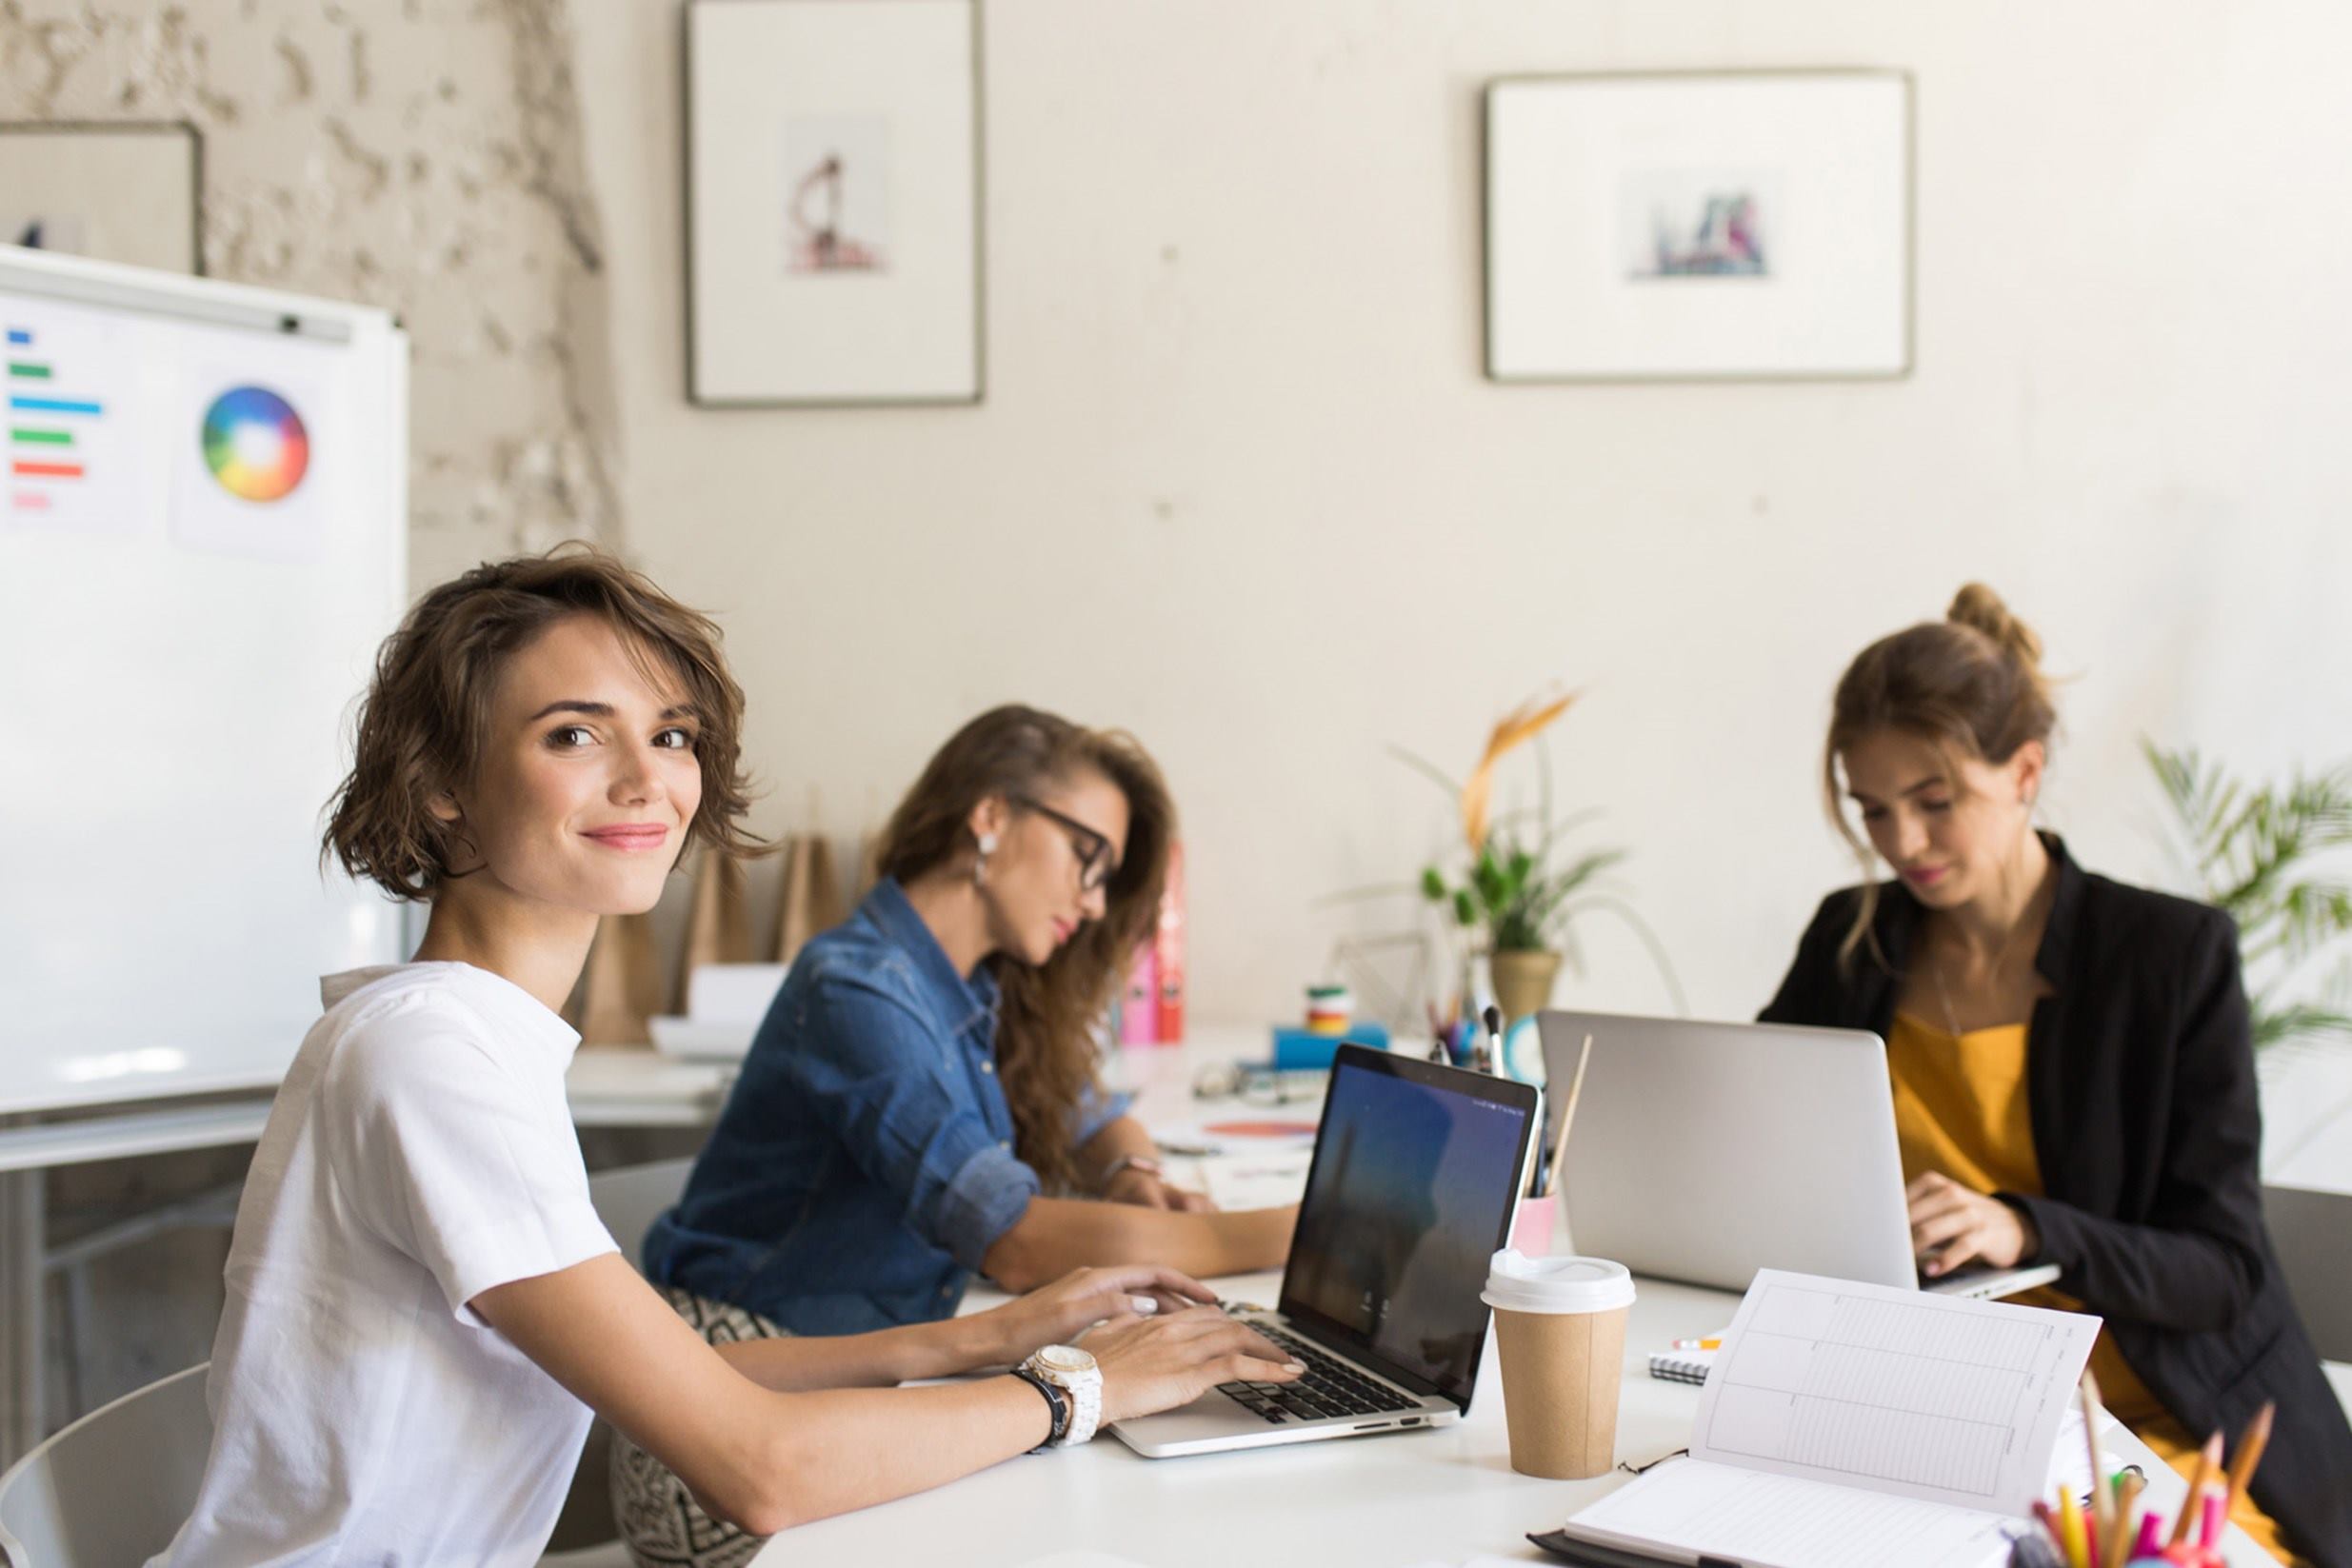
column 1979, row 607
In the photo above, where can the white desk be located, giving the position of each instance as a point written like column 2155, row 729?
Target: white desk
column 1443, row 1495
column 1439, row 1495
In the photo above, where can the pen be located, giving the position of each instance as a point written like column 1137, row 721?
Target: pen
column 1709, row 1344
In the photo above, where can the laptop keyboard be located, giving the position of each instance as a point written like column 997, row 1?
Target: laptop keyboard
column 1329, row 1388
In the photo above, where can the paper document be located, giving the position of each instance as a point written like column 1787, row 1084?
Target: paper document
column 1951, row 1401
column 1849, row 1425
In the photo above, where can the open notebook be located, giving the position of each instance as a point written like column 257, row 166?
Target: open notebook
column 1851, row 1426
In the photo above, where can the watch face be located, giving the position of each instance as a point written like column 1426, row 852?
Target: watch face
column 1069, row 1358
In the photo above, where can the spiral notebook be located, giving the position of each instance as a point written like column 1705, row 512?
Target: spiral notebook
column 1681, row 1366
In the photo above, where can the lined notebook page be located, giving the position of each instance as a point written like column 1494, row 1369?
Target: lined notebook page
column 1914, row 1396
column 1692, row 1506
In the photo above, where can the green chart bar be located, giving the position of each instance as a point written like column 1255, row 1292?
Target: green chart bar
column 27, row 372
column 42, row 438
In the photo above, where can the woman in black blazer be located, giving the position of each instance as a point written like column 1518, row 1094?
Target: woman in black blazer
column 2074, row 1074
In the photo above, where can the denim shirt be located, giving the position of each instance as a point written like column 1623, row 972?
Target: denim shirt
column 864, row 1163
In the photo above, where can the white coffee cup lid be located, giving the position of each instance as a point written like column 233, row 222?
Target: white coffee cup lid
column 1517, row 1282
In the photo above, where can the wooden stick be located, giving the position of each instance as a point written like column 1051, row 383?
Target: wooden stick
column 1568, row 1115
column 2116, row 1550
column 2208, row 1462
column 2102, row 1493
column 2250, row 1453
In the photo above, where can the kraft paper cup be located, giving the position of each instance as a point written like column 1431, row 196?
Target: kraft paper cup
column 1559, row 1326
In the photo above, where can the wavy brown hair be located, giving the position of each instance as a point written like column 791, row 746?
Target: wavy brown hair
column 424, row 719
column 1045, row 1022
column 1971, row 684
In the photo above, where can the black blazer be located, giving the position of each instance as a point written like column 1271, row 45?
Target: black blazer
column 2139, row 1074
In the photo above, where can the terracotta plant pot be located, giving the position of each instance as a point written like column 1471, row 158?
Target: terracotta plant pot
column 1522, row 980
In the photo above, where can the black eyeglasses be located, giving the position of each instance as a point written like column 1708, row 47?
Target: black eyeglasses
column 1095, row 865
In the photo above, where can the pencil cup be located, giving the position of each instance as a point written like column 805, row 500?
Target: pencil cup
column 1531, row 1229
column 1560, row 1325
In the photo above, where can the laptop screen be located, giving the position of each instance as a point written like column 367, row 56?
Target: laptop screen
column 1414, row 1181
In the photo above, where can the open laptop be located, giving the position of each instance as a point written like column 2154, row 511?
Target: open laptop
column 1704, row 1152
column 1417, row 1173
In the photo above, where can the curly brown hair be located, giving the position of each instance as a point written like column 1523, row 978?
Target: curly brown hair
column 1971, row 683
column 424, row 720
column 1046, row 1020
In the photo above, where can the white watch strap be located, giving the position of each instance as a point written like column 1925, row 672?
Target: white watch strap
column 1074, row 1372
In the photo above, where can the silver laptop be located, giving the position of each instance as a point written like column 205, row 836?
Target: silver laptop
column 1704, row 1152
column 1417, row 1173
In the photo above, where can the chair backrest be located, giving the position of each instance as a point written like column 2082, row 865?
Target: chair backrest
column 115, row 1486
column 2310, row 1230
column 630, row 1198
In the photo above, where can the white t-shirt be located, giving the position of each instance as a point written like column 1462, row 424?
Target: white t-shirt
column 420, row 1152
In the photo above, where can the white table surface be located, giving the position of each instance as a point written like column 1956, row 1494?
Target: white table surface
column 1442, row 1494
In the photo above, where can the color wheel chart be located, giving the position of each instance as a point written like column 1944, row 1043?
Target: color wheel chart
column 255, row 444
column 48, row 431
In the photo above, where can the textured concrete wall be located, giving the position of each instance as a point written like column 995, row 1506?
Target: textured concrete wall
column 421, row 155
column 424, row 156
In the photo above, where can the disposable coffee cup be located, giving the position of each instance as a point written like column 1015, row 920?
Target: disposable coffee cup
column 1559, row 1326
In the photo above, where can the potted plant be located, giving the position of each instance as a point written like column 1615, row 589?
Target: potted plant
column 2249, row 852
column 1518, row 887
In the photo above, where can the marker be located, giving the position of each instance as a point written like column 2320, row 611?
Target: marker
column 1697, row 1344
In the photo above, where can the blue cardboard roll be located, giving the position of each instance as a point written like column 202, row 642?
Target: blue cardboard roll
column 1298, row 1050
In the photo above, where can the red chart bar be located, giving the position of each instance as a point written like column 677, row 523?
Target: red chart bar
column 47, row 470
column 31, row 501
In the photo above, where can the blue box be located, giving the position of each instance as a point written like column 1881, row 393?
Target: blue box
column 1303, row 1050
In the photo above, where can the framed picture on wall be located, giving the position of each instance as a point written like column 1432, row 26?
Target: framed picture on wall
column 1719, row 226
column 118, row 190
column 833, row 221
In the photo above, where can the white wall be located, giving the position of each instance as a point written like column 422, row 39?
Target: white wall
column 1238, row 483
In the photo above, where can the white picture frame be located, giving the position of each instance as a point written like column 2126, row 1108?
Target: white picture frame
column 833, row 202
column 1698, row 226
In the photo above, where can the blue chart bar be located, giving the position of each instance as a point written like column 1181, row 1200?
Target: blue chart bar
column 18, row 335
column 52, row 405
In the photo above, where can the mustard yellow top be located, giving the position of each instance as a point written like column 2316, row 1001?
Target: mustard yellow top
column 1961, row 1109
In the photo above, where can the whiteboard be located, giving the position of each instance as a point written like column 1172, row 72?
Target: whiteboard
column 203, row 540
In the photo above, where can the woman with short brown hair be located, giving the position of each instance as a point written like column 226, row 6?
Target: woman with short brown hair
column 422, row 1308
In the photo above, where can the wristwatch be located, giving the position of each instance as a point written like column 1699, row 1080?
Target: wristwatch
column 1073, row 1373
column 1129, row 1162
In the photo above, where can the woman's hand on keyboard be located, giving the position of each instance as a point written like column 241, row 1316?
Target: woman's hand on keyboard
column 1158, row 1364
column 1059, row 1313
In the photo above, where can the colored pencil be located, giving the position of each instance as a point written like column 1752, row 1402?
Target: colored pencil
column 2071, row 1533
column 2208, row 1460
column 2249, row 1452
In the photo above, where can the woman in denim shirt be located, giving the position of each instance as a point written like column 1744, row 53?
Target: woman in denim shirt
column 919, row 1103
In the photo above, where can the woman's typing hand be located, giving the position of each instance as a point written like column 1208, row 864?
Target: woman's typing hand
column 1059, row 1313
column 1952, row 1225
